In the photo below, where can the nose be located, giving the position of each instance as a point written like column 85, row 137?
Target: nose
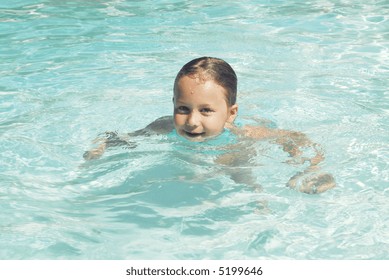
column 193, row 119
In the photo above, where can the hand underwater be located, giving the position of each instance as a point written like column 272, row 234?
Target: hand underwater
column 111, row 140
column 312, row 183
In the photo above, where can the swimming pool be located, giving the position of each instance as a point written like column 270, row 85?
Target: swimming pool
column 71, row 70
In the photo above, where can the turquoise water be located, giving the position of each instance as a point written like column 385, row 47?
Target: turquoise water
column 70, row 70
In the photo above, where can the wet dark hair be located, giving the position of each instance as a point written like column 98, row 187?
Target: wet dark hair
column 215, row 69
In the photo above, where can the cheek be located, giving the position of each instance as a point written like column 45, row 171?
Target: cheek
column 216, row 124
column 178, row 120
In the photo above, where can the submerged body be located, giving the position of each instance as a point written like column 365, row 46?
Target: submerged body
column 205, row 105
column 311, row 180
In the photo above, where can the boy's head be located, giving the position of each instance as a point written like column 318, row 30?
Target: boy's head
column 211, row 68
column 204, row 98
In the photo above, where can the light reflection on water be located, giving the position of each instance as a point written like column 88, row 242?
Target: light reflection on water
column 72, row 70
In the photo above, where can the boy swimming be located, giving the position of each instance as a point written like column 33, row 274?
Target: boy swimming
column 204, row 100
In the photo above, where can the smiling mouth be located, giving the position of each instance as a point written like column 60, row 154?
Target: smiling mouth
column 193, row 135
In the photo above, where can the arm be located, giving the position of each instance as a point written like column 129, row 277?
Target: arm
column 236, row 164
column 311, row 180
column 111, row 139
column 159, row 126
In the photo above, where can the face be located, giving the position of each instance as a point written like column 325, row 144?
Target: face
column 201, row 110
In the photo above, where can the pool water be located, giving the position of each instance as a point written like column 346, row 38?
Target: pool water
column 71, row 70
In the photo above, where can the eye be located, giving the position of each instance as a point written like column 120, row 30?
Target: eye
column 207, row 110
column 182, row 110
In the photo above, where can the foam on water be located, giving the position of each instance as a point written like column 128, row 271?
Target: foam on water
column 71, row 70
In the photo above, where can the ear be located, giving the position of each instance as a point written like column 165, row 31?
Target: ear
column 233, row 112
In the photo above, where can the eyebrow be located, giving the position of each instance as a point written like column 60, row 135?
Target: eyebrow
column 206, row 105
column 201, row 105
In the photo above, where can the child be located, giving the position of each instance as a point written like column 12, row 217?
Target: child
column 205, row 104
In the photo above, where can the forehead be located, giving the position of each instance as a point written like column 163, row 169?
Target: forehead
column 200, row 87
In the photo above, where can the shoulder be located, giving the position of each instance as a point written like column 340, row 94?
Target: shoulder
column 161, row 125
column 259, row 132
